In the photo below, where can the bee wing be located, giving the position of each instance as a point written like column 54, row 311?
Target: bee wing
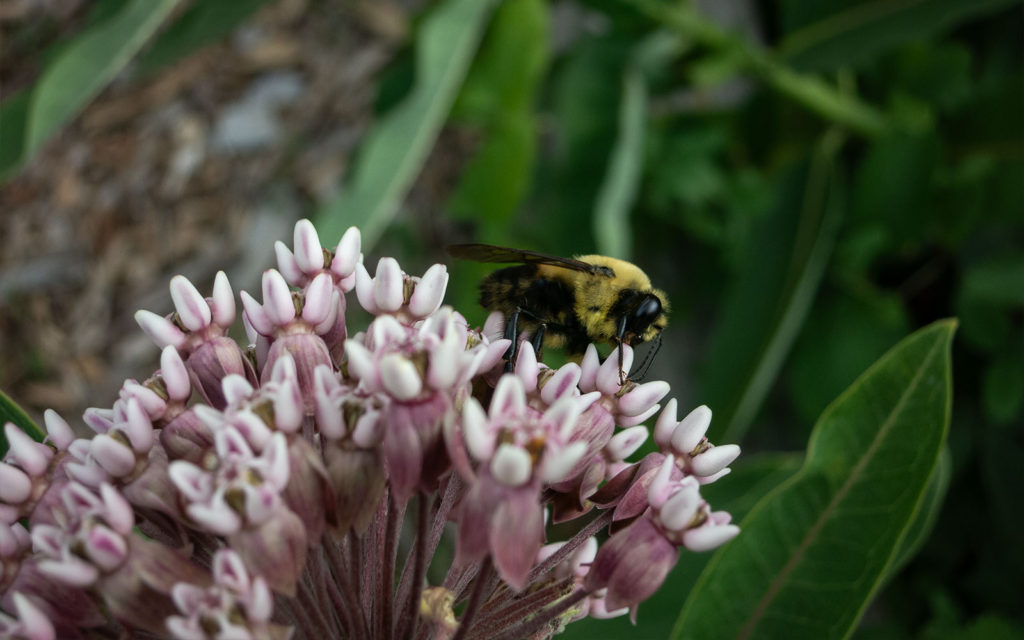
column 491, row 253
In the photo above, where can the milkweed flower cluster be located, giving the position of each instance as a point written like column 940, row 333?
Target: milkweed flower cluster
column 302, row 486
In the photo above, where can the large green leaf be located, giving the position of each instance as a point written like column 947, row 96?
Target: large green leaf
column 924, row 520
column 87, row 65
column 11, row 412
column 858, row 31
column 395, row 150
column 767, row 305
column 814, row 551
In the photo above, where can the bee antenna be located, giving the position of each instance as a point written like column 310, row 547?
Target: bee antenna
column 648, row 360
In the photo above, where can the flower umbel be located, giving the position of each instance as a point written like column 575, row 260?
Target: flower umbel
column 301, row 487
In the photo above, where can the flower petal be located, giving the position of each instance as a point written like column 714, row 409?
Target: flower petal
column 400, row 377
column 691, row 430
column 511, row 465
column 309, row 255
column 191, row 306
column 429, row 292
column 222, row 301
column 161, row 330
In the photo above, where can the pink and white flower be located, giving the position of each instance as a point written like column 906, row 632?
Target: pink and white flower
column 262, row 492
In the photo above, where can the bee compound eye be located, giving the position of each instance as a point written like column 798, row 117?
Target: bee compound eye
column 647, row 311
column 643, row 315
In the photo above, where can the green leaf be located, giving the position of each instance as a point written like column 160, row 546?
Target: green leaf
column 924, row 521
column 857, row 32
column 202, row 24
column 11, row 412
column 396, row 148
column 767, row 305
column 813, row 552
column 87, row 65
column 497, row 99
column 13, row 118
column 625, row 167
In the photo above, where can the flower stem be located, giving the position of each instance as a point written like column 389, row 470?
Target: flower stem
column 374, row 555
column 310, row 608
column 476, row 598
column 495, row 618
column 362, row 562
column 407, row 622
column 530, row 626
column 333, row 582
column 552, row 561
column 351, row 583
column 396, row 514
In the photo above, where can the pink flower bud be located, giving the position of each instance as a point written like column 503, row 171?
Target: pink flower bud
column 287, row 264
column 15, row 485
column 161, row 330
column 347, row 255
column 642, row 398
column 309, row 255
column 511, row 466
column 189, row 303
column 277, row 298
column 429, row 291
column 175, row 375
column 714, row 459
column 709, row 537
column 563, row 382
column 689, row 433
column 632, row 564
column 58, row 432
column 222, row 302
column 33, row 457
column 29, row 622
column 113, row 456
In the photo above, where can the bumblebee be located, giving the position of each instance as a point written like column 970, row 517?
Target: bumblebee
column 569, row 302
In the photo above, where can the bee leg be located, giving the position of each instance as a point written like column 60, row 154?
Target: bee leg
column 619, row 335
column 538, row 339
column 512, row 334
column 622, row 374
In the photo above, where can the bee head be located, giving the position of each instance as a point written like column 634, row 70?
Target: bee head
column 641, row 316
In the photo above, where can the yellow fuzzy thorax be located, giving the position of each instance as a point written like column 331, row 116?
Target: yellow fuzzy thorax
column 596, row 293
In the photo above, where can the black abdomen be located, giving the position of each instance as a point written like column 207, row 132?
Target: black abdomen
column 547, row 301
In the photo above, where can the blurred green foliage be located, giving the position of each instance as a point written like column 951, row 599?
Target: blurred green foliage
column 809, row 181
